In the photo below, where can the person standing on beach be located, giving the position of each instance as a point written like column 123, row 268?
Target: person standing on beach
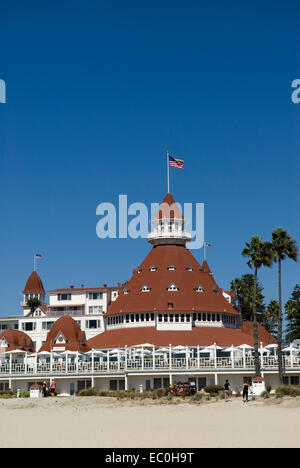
column 246, row 388
column 53, row 388
column 227, row 390
column 44, row 389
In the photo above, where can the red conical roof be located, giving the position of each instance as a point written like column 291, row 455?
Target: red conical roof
column 166, row 265
column 169, row 209
column 34, row 285
column 74, row 336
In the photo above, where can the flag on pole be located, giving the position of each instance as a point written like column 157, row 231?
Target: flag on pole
column 175, row 162
column 208, row 245
column 38, row 256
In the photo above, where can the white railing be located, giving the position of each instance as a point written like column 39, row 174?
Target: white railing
column 147, row 364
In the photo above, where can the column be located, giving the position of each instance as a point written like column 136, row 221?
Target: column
column 108, row 364
column 77, row 362
column 25, row 362
column 93, row 359
column 187, row 356
column 142, row 357
column 232, row 357
column 118, row 360
column 125, row 357
column 261, row 355
column 35, row 363
column 153, row 357
column 216, row 379
column 170, row 356
column 67, row 361
column 215, row 355
column 10, row 363
column 198, row 357
column 126, row 382
column 244, row 358
column 51, row 362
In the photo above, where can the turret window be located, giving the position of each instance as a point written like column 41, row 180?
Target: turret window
column 153, row 268
column 173, row 287
column 171, row 267
column 145, row 288
column 199, row 288
column 190, row 268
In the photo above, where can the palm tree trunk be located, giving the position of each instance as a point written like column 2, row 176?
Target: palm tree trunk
column 255, row 330
column 280, row 366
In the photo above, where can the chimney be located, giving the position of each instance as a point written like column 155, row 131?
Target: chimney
column 105, row 285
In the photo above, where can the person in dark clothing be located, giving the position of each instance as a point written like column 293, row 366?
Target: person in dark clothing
column 45, row 390
column 246, row 388
column 227, row 390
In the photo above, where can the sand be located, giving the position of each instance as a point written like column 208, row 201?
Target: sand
column 106, row 422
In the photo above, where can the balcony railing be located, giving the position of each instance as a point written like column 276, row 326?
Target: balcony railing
column 139, row 364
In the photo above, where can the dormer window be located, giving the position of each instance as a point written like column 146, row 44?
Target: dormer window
column 199, row 288
column 145, row 288
column 153, row 268
column 60, row 339
column 139, row 270
column 190, row 268
column 173, row 287
column 3, row 343
column 171, row 267
column 125, row 290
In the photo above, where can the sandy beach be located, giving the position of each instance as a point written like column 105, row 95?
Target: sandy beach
column 106, row 422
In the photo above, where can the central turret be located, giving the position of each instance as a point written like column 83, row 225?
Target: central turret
column 168, row 225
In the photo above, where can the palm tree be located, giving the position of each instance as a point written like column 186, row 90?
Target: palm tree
column 33, row 303
column 260, row 254
column 283, row 246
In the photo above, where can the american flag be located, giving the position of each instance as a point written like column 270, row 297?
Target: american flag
column 175, row 162
column 38, row 256
column 208, row 245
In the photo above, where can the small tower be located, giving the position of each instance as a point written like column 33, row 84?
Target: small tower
column 169, row 225
column 33, row 289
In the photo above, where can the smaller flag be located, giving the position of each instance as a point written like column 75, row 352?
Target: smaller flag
column 175, row 162
column 208, row 245
column 38, row 256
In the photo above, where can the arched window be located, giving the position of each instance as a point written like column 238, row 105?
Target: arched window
column 145, row 288
column 190, row 268
column 153, row 268
column 199, row 288
column 171, row 267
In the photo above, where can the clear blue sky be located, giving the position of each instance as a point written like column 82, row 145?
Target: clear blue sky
column 97, row 91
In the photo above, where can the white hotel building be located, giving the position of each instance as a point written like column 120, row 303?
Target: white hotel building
column 170, row 322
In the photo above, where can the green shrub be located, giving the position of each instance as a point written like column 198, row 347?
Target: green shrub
column 288, row 390
column 24, row 394
column 215, row 389
column 198, row 396
column 7, row 394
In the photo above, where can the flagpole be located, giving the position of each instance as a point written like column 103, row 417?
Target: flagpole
column 204, row 250
column 168, row 171
column 34, row 262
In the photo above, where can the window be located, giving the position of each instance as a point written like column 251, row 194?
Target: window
column 92, row 324
column 64, row 297
column 160, row 318
column 153, row 268
column 29, row 326
column 47, row 325
column 157, row 383
column 113, row 385
column 121, row 384
column 172, row 287
column 199, row 288
column 189, row 268
column 95, row 295
column 294, row 380
column 201, row 383
column 145, row 288
column 93, row 310
column 171, row 268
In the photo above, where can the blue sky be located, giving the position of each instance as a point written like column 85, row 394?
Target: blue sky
column 96, row 93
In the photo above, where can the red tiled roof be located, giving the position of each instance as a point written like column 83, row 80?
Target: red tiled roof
column 263, row 334
column 203, row 336
column 34, row 285
column 169, row 209
column 17, row 339
column 186, row 299
column 74, row 336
